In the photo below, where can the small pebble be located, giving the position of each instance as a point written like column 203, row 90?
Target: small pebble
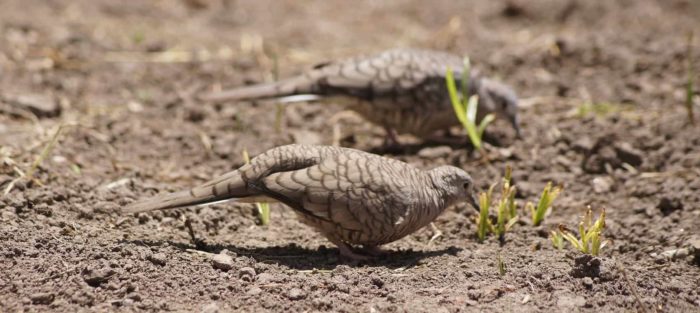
column 254, row 291
column 296, row 294
column 42, row 298
column 602, row 184
column 157, row 259
column 95, row 278
column 212, row 307
column 223, row 262
column 246, row 274
column 587, row 282
column 675, row 254
column 265, row 278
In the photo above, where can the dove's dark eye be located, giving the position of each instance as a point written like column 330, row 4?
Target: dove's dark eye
column 466, row 185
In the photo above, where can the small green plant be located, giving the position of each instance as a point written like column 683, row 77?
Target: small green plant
column 590, row 234
column 502, row 269
column 483, row 223
column 548, row 196
column 599, row 109
column 506, row 213
column 689, row 92
column 557, row 239
column 263, row 207
column 465, row 106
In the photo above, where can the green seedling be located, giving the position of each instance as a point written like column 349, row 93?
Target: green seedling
column 590, row 234
column 502, row 269
column 483, row 224
column 506, row 210
column 557, row 239
column 263, row 207
column 689, row 92
column 548, row 196
column 465, row 106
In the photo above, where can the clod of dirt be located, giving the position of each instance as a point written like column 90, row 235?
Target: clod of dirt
column 265, row 278
column 43, row 209
column 607, row 152
column 84, row 212
column 157, row 258
column 584, row 144
column 95, row 278
column 595, row 164
column 628, row 154
column 40, row 105
column 246, row 274
column 587, row 282
column 671, row 255
column 377, row 281
column 122, row 303
column 42, row 298
column 602, row 184
column 254, row 291
column 513, row 9
column 296, row 294
column 323, row 303
column 195, row 115
column 587, row 265
column 211, row 308
column 668, row 205
column 222, row 262
column 571, row 301
column 694, row 246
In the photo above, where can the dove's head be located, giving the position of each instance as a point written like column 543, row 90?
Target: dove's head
column 495, row 97
column 455, row 184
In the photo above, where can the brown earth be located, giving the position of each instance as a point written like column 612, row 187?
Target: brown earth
column 602, row 84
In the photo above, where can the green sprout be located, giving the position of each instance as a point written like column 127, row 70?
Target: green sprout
column 557, row 239
column 590, row 233
column 599, row 109
column 506, row 211
column 548, row 196
column 465, row 106
column 502, row 268
column 483, row 224
column 263, row 207
column 689, row 92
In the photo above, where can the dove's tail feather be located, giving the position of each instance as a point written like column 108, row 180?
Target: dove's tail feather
column 228, row 186
column 304, row 84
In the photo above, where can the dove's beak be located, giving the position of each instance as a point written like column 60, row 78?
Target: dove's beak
column 474, row 202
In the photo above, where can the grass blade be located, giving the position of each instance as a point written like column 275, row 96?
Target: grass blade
column 483, row 223
column 263, row 207
column 473, row 133
column 457, row 105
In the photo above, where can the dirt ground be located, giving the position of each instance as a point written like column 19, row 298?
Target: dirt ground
column 602, row 86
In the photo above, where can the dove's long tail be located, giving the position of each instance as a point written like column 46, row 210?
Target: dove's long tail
column 228, row 186
column 299, row 85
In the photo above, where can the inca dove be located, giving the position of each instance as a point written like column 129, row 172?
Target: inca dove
column 349, row 196
column 401, row 89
